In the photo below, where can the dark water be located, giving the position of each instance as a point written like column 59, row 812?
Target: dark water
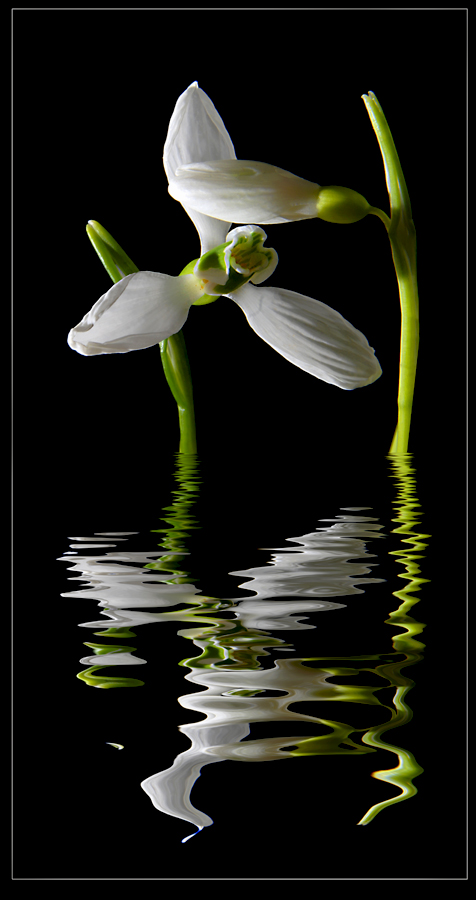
column 300, row 641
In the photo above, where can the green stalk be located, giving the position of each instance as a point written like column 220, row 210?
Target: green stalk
column 173, row 352
column 408, row 289
column 402, row 236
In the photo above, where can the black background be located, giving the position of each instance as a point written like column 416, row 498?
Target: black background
column 95, row 438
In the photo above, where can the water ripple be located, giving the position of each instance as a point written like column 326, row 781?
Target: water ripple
column 241, row 676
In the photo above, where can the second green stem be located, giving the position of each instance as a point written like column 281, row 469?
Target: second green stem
column 173, row 351
column 401, row 233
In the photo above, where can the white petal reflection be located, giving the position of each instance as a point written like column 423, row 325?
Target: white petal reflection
column 142, row 595
column 118, row 586
column 110, row 563
column 277, row 615
column 295, row 583
column 89, row 546
column 227, row 723
column 321, row 565
column 170, row 790
column 113, row 659
column 103, row 535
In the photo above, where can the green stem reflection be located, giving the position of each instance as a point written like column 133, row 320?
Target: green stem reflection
column 180, row 521
column 408, row 510
column 180, row 518
column 107, row 681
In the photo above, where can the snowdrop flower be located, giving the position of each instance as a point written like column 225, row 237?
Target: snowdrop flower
column 207, row 178
column 147, row 307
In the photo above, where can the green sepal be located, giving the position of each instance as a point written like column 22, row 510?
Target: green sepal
column 116, row 262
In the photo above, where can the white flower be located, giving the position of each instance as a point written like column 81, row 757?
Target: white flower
column 145, row 308
column 206, row 177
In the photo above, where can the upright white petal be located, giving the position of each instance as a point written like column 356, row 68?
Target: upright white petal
column 196, row 132
column 139, row 311
column 310, row 335
column 244, row 191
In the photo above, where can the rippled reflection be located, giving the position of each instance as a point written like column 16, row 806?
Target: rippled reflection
column 241, row 674
column 407, row 512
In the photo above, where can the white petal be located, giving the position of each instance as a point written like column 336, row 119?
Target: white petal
column 311, row 335
column 196, row 132
column 244, row 191
column 139, row 311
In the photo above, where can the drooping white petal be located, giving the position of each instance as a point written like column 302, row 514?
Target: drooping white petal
column 244, row 191
column 196, row 133
column 139, row 311
column 310, row 335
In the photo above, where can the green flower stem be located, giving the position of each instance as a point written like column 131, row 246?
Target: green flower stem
column 402, row 236
column 407, row 285
column 173, row 352
column 177, row 372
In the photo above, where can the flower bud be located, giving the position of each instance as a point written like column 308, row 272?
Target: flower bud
column 341, row 205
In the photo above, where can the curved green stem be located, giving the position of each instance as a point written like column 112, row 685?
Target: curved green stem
column 375, row 211
column 402, row 236
column 173, row 352
column 405, row 267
